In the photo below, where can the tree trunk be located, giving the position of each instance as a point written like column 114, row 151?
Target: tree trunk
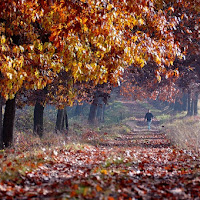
column 185, row 102
column 171, row 105
column 61, row 120
column 104, row 108
column 176, row 105
column 96, row 108
column 1, row 138
column 189, row 105
column 8, row 123
column 78, row 110
column 192, row 107
column 196, row 103
column 66, row 119
column 100, row 109
column 99, row 113
column 93, row 109
column 38, row 119
column 92, row 113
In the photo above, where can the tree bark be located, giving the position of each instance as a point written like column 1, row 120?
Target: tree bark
column 196, row 103
column 93, row 111
column 100, row 109
column 104, row 108
column 185, row 102
column 61, row 120
column 38, row 119
column 177, row 105
column 171, row 105
column 8, row 123
column 94, row 107
column 192, row 107
column 189, row 105
column 66, row 119
column 97, row 106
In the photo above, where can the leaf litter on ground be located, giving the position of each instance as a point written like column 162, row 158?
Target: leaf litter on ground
column 127, row 168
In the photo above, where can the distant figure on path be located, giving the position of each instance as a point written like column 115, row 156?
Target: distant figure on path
column 149, row 118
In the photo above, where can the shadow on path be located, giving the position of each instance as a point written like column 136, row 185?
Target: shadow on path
column 143, row 145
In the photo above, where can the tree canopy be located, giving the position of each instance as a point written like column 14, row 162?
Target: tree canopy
column 91, row 40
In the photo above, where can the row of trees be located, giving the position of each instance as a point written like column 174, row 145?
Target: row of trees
column 58, row 52
column 188, row 102
column 183, row 102
column 179, row 84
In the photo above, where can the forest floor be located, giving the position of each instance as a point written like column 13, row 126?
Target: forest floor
column 141, row 164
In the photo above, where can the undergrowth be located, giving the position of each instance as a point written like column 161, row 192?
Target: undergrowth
column 27, row 153
column 185, row 133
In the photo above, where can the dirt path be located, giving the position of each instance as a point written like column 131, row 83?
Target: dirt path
column 138, row 165
column 138, row 124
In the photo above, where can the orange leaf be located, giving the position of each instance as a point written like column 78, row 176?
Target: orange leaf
column 98, row 188
column 73, row 193
column 4, row 168
column 104, row 171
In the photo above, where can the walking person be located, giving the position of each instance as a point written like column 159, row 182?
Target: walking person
column 149, row 118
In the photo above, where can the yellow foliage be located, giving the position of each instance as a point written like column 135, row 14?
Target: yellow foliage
column 89, row 42
column 158, row 60
column 104, row 171
column 109, row 6
column 37, row 73
column 3, row 39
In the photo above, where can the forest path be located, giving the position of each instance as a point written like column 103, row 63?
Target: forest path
column 140, row 135
column 138, row 124
column 138, row 165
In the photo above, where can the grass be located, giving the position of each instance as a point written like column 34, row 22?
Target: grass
column 116, row 112
column 27, row 153
column 185, row 133
column 115, row 116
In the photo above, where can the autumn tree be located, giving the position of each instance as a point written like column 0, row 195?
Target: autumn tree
column 23, row 61
column 187, row 34
column 62, row 120
column 99, row 100
column 183, row 75
column 91, row 40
